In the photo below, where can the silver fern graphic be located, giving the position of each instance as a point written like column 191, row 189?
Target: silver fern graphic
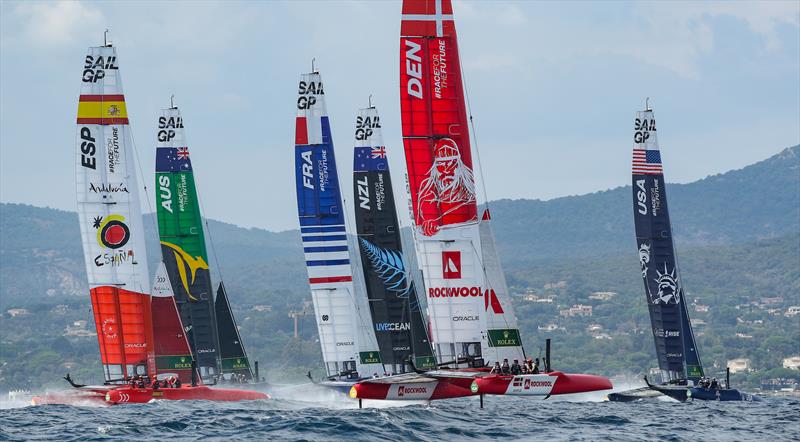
column 390, row 268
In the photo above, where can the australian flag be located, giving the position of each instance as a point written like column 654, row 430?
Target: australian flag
column 370, row 158
column 173, row 159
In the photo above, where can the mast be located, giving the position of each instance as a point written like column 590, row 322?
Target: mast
column 469, row 310
column 111, row 222
column 676, row 349
column 183, row 245
column 393, row 302
column 349, row 346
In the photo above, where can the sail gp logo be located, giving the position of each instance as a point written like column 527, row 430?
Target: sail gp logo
column 451, row 264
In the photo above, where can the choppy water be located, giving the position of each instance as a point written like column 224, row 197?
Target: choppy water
column 329, row 418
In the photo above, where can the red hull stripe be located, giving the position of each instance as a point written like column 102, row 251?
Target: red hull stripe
column 301, row 131
column 330, row 279
column 102, row 98
column 104, row 121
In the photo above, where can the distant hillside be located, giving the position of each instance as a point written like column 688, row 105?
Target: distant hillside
column 40, row 248
column 738, row 238
column 759, row 201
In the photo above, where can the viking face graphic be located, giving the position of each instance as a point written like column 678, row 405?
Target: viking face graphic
column 450, row 184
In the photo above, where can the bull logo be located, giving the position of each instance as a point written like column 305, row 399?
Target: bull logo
column 449, row 186
column 667, row 287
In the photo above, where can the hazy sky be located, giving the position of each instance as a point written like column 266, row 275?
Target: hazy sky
column 553, row 87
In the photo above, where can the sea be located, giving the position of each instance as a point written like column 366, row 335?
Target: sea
column 304, row 414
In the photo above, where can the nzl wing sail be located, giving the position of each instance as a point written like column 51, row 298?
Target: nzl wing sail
column 231, row 347
column 443, row 197
column 675, row 345
column 393, row 302
column 111, row 221
column 349, row 347
column 183, row 245
column 172, row 351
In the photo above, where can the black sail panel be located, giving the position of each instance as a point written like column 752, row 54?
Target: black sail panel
column 662, row 283
column 193, row 298
column 234, row 357
column 394, row 306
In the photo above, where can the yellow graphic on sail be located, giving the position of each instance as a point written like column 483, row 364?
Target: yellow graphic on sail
column 194, row 264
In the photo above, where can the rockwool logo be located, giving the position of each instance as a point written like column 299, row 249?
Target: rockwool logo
column 451, row 264
column 403, row 390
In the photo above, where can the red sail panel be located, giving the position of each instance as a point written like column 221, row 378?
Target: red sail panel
column 434, row 117
column 172, row 351
column 124, row 330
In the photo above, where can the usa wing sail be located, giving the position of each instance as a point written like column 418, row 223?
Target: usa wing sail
column 675, row 344
column 394, row 305
column 441, row 180
column 183, row 245
column 349, row 347
column 111, row 221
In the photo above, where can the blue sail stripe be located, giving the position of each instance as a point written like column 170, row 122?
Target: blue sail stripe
column 325, row 238
column 328, row 262
column 325, row 249
column 322, row 229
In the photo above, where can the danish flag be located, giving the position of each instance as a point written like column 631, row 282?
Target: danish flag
column 428, row 18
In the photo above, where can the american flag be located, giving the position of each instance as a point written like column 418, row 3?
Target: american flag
column 183, row 153
column 647, row 162
column 378, row 152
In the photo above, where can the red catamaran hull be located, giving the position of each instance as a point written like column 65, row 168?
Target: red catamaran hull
column 130, row 395
column 443, row 387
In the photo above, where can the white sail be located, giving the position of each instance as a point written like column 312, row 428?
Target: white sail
column 110, row 218
column 346, row 337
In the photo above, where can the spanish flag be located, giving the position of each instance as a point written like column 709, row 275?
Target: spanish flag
column 102, row 109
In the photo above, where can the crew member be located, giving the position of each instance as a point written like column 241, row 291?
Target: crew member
column 505, row 368
column 515, row 368
column 496, row 369
column 536, row 366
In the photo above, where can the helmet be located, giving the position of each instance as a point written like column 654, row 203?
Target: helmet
column 445, row 149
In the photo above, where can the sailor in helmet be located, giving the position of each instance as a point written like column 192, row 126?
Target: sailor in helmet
column 450, row 185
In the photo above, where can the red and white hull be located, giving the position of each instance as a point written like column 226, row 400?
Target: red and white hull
column 553, row 383
column 439, row 385
column 133, row 395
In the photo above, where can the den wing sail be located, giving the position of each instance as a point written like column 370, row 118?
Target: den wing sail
column 393, row 302
column 172, row 351
column 231, row 347
column 443, row 198
column 349, row 347
column 183, row 245
column 675, row 345
column 111, row 221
